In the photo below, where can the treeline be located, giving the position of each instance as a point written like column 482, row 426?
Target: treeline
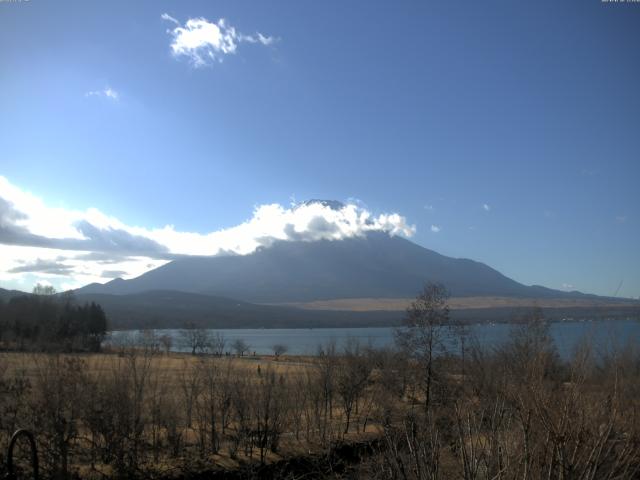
column 45, row 321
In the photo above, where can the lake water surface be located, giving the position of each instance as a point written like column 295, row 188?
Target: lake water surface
column 604, row 334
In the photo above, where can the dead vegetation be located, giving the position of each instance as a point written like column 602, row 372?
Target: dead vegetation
column 418, row 412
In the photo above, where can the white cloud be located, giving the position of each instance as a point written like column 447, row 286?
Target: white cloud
column 107, row 92
column 429, row 208
column 621, row 218
column 78, row 270
column 36, row 217
column 486, row 207
column 166, row 16
column 306, row 222
column 435, row 228
column 111, row 93
column 78, row 247
column 568, row 286
column 358, row 202
column 204, row 42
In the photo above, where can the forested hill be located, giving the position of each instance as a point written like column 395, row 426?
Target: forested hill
column 172, row 309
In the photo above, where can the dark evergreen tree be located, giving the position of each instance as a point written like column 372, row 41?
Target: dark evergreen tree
column 52, row 322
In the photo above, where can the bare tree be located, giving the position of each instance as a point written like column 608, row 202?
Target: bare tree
column 56, row 410
column 206, row 406
column 322, row 389
column 218, row 343
column 40, row 289
column 240, row 347
column 148, row 340
column 269, row 411
column 352, row 375
column 298, row 396
column 190, row 385
column 241, row 401
column 167, row 342
column 195, row 339
column 157, row 406
column 279, row 349
column 225, row 394
column 426, row 331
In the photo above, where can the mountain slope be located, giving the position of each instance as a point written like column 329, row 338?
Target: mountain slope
column 172, row 309
column 375, row 265
column 6, row 295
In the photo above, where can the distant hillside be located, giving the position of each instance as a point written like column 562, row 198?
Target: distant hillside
column 172, row 309
column 373, row 266
column 6, row 295
column 466, row 303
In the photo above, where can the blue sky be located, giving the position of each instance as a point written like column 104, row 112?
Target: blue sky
column 431, row 110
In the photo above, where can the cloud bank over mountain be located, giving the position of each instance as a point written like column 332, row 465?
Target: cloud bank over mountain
column 73, row 247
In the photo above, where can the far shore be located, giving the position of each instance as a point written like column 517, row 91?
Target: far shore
column 458, row 303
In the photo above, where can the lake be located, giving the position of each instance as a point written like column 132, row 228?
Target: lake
column 605, row 334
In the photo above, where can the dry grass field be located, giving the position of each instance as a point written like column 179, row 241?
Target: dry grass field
column 456, row 303
column 171, row 366
column 514, row 412
column 184, row 411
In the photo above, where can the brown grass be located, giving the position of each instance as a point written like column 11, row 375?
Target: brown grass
column 456, row 303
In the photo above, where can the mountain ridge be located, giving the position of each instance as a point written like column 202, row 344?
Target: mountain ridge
column 372, row 265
